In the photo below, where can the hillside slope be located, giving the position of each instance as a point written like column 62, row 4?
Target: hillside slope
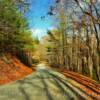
column 12, row 69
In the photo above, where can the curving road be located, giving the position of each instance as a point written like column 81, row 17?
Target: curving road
column 44, row 84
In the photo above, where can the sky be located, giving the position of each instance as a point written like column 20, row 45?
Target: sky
column 37, row 25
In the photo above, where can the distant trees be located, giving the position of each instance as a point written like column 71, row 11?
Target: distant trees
column 78, row 45
column 14, row 35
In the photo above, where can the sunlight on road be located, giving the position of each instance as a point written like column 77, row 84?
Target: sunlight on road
column 43, row 65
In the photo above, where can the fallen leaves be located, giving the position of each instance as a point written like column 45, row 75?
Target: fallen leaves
column 12, row 69
column 89, row 86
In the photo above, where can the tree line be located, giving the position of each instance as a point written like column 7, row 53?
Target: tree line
column 15, row 36
column 75, row 43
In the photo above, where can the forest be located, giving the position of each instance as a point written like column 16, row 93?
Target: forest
column 50, row 49
column 15, row 36
column 75, row 42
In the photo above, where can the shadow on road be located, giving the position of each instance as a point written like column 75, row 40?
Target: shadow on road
column 78, row 93
column 44, row 77
column 49, row 96
column 32, row 85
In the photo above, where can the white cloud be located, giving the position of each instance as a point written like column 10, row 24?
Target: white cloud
column 39, row 32
column 51, row 28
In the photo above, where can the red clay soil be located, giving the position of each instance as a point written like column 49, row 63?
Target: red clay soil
column 12, row 69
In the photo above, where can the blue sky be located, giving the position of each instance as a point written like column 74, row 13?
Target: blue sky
column 37, row 9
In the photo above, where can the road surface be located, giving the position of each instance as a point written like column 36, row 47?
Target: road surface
column 44, row 84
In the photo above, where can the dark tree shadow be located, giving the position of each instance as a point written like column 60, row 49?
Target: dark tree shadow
column 27, row 81
column 22, row 90
column 46, row 88
column 56, row 80
column 61, row 80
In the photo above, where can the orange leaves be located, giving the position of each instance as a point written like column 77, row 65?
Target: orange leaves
column 13, row 70
column 89, row 86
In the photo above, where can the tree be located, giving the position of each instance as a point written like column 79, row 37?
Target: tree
column 79, row 36
column 14, row 35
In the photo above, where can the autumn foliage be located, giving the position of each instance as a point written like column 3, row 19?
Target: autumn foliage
column 12, row 69
column 84, row 83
